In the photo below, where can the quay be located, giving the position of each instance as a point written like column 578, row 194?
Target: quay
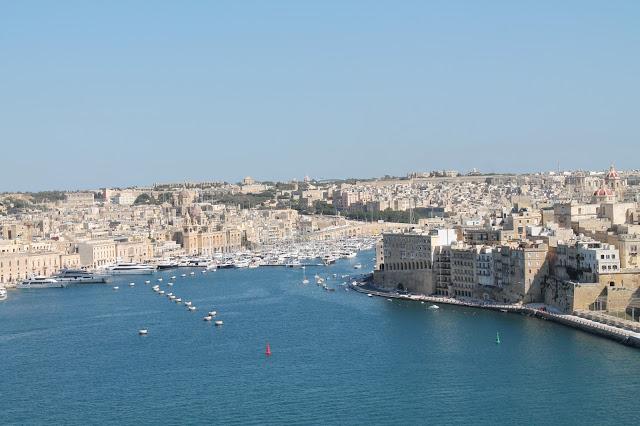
column 581, row 321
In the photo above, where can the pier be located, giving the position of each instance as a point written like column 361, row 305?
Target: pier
column 579, row 320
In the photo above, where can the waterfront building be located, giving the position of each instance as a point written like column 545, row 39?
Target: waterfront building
column 408, row 259
column 463, row 274
column 97, row 253
column 17, row 266
column 584, row 260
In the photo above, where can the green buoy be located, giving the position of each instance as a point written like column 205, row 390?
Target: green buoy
column 497, row 337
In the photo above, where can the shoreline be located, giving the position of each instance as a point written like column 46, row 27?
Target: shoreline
column 619, row 335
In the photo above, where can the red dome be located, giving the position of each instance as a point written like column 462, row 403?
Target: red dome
column 603, row 192
column 612, row 174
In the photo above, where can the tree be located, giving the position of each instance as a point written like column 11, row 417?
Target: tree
column 144, row 199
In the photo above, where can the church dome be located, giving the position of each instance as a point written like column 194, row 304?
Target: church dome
column 612, row 174
column 603, row 191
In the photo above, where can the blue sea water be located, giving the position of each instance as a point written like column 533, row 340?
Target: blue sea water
column 74, row 356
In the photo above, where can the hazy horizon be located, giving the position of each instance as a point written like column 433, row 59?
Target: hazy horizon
column 120, row 94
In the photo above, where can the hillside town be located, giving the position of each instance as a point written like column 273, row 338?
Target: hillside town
column 566, row 239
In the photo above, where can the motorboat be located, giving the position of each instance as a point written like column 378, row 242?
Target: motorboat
column 167, row 264
column 40, row 282
column 434, row 307
column 3, row 293
column 130, row 269
column 79, row 276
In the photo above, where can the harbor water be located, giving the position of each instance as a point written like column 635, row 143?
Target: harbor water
column 74, row 356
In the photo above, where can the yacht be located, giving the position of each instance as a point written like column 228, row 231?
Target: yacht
column 79, row 276
column 3, row 293
column 130, row 269
column 167, row 264
column 40, row 282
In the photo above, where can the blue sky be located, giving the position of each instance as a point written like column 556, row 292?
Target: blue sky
column 116, row 93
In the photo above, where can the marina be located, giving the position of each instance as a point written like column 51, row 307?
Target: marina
column 244, row 308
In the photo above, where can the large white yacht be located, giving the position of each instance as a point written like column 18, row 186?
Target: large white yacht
column 130, row 269
column 40, row 282
column 3, row 293
column 79, row 276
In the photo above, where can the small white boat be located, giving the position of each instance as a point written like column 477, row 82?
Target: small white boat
column 147, row 282
column 116, row 287
column 213, row 313
column 192, row 273
column 191, row 308
column 172, row 297
column 170, row 284
column 173, row 277
column 132, row 284
column 187, row 303
column 183, row 275
column 218, row 323
column 389, row 300
column 169, row 294
column 159, row 279
column 178, row 300
column 369, row 294
column 161, row 292
column 143, row 332
column 434, row 307
column 208, row 318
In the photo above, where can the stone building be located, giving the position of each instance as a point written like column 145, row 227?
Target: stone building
column 97, row 253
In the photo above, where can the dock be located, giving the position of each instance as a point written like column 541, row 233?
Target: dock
column 628, row 337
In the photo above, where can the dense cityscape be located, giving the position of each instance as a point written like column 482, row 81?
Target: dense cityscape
column 565, row 242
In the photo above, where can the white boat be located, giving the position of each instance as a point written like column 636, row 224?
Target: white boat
column 191, row 308
column 357, row 266
column 116, row 287
column 207, row 318
column 218, row 323
column 130, row 269
column 170, row 284
column 213, row 313
column 143, row 332
column 40, row 282
column 147, row 282
column 3, row 293
column 161, row 292
column 167, row 264
column 173, row 277
column 434, row 307
column 79, row 276
column 370, row 295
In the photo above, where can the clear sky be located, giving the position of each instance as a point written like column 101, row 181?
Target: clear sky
column 109, row 93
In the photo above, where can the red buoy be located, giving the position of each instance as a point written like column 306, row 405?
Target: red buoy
column 268, row 351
